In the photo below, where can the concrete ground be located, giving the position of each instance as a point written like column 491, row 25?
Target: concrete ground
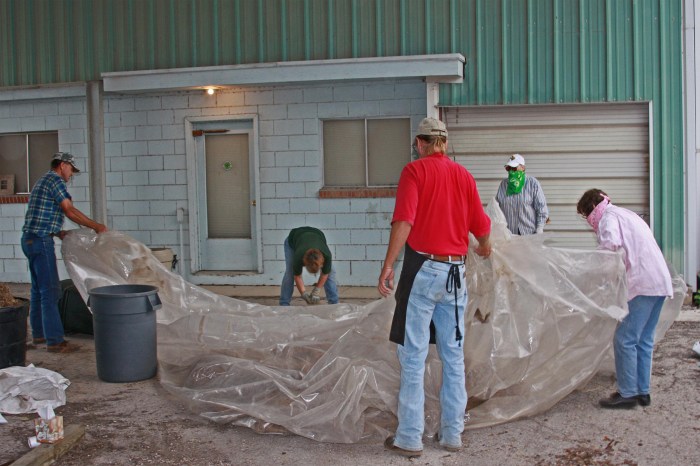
column 139, row 423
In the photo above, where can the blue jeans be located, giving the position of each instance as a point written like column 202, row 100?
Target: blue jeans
column 428, row 301
column 46, row 288
column 634, row 344
column 331, row 285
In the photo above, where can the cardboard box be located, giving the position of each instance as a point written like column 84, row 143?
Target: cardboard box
column 7, row 185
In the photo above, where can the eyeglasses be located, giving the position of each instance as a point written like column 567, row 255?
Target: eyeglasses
column 511, row 169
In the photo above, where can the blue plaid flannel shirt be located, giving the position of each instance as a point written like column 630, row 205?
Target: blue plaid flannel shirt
column 44, row 214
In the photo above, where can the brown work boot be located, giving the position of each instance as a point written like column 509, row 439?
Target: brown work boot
column 38, row 341
column 63, row 347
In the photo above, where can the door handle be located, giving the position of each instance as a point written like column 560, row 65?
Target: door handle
column 253, row 203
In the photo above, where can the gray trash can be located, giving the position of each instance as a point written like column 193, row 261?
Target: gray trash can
column 124, row 324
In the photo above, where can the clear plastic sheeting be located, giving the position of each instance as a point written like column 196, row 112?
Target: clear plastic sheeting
column 539, row 324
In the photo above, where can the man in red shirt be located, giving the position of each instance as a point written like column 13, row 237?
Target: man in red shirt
column 437, row 206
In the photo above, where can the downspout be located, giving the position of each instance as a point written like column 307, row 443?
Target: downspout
column 96, row 156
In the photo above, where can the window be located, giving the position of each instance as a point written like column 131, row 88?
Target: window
column 365, row 153
column 26, row 157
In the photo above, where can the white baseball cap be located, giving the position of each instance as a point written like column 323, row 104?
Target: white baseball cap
column 515, row 160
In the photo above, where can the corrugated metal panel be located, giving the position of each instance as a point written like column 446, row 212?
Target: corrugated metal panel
column 568, row 148
column 517, row 52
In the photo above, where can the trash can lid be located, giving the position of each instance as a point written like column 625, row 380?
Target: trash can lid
column 123, row 290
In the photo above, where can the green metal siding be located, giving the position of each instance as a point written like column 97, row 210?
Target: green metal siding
column 517, row 52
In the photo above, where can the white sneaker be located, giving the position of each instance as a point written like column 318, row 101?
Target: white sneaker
column 696, row 347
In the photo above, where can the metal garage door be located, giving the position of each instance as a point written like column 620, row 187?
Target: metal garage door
column 568, row 148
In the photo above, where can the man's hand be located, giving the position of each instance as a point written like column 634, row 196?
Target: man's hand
column 315, row 295
column 386, row 281
column 484, row 247
column 306, row 296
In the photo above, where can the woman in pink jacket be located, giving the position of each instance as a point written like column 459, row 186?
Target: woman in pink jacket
column 648, row 285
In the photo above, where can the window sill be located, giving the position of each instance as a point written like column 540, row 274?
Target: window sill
column 343, row 193
column 14, row 199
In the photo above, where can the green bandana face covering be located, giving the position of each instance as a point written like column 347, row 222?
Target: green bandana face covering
column 516, row 181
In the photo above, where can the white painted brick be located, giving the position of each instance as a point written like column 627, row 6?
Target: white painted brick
column 268, row 222
column 45, row 108
column 274, row 174
column 175, row 192
column 122, row 163
column 304, row 142
column 201, row 100
column 350, row 220
column 290, row 159
column 19, row 254
column 180, row 115
column 136, row 208
column 151, row 162
column 288, row 221
column 348, row 93
column 304, row 206
column 180, row 146
column 120, row 105
column 287, row 127
column 9, row 125
column 181, row 176
column 349, row 252
column 312, row 158
column 148, row 132
column 21, row 109
column 386, row 204
column 266, row 128
column 160, row 147
column 11, row 237
column 418, row 107
column 268, row 190
column 288, row 96
column 70, row 136
column 290, row 190
column 175, row 161
column 137, row 178
column 320, row 221
column 312, row 188
column 134, row 118
column 165, row 208
column 58, row 122
column 366, row 272
column 333, row 110
column 123, row 133
column 365, row 237
column 114, row 209
column 121, row 193
column 161, row 117
column 364, row 205
column 149, row 192
column 12, row 210
column 274, row 143
column 379, row 91
column 112, row 120
column 165, row 238
column 267, row 159
column 125, row 223
column 275, row 206
column 71, row 107
column 215, row 111
column 173, row 131
column 4, row 110
column 363, row 109
column 395, row 107
column 376, row 252
column 272, row 112
column 78, row 121
column 174, row 101
column 142, row 236
column 318, row 94
column 151, row 222
column 335, row 205
column 379, row 220
column 304, row 173
column 113, row 178
column 147, row 103
column 277, row 237
column 166, row 177
column 230, row 99
column 33, row 124
column 244, row 110
column 16, row 266
column 337, row 236
column 135, row 148
column 311, row 126
column 113, row 149
column 302, row 110
column 410, row 90
column 259, row 98
column 269, row 254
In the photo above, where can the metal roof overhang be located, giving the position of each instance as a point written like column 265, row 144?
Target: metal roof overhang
column 440, row 68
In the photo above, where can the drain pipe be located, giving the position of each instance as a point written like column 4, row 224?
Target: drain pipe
column 181, row 221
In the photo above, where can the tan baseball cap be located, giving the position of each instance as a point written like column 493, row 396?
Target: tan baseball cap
column 431, row 127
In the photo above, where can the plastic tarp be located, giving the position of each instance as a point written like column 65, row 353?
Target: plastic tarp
column 539, row 324
column 27, row 389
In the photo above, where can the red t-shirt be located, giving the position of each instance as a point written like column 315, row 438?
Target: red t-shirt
column 438, row 197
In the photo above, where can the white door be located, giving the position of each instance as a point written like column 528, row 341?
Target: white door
column 568, row 148
column 226, row 202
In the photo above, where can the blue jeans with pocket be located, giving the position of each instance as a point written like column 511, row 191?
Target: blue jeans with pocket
column 44, row 317
column 287, row 288
column 633, row 345
column 429, row 300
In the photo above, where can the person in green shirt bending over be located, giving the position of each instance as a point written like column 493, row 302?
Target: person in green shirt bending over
column 307, row 247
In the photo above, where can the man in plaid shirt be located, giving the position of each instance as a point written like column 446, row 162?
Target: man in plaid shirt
column 49, row 202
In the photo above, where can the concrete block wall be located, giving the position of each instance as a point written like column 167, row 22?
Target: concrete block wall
column 68, row 117
column 147, row 170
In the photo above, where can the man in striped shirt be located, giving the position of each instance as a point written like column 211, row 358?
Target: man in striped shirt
column 521, row 199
